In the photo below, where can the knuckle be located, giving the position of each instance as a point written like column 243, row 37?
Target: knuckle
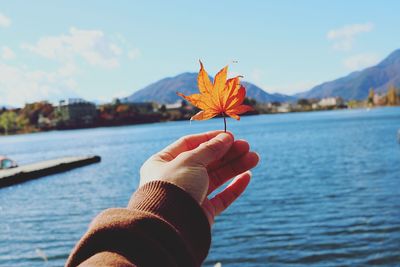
column 184, row 158
column 182, row 140
column 165, row 156
column 214, row 146
column 185, row 141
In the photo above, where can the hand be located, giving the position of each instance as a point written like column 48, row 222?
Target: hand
column 201, row 163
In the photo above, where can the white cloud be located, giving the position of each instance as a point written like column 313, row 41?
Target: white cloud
column 134, row 53
column 68, row 69
column 4, row 21
column 360, row 61
column 343, row 38
column 19, row 85
column 7, row 53
column 90, row 45
column 116, row 49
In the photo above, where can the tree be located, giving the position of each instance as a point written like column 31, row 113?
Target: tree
column 303, row 102
column 8, row 121
column 184, row 103
column 34, row 110
column 122, row 109
column 163, row 108
column 392, row 96
column 22, row 122
column 116, row 101
column 371, row 96
column 249, row 101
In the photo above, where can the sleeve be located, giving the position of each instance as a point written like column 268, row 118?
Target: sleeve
column 162, row 226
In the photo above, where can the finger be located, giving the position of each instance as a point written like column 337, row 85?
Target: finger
column 238, row 149
column 224, row 199
column 209, row 210
column 221, row 175
column 211, row 150
column 186, row 143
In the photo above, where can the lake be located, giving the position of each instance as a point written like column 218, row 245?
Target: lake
column 326, row 191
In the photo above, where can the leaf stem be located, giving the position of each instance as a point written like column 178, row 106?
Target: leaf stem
column 223, row 115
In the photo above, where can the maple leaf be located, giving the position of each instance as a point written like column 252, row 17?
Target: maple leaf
column 223, row 97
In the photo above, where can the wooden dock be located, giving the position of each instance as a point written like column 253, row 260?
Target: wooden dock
column 40, row 169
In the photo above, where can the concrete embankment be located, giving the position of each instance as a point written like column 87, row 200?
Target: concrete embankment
column 40, row 169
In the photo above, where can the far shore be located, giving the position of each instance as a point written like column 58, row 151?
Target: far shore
column 34, row 131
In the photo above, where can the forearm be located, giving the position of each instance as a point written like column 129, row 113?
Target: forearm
column 162, row 226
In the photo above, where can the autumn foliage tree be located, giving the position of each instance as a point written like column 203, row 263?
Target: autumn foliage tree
column 392, row 96
column 32, row 111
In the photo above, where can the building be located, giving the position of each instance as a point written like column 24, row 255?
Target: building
column 77, row 112
column 175, row 106
column 44, row 122
column 331, row 102
column 379, row 100
column 144, row 107
column 284, row 108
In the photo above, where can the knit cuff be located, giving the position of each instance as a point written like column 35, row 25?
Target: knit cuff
column 179, row 209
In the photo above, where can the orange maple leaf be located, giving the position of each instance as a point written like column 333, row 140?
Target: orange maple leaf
column 223, row 97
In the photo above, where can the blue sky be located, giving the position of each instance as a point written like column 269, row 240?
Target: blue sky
column 99, row 50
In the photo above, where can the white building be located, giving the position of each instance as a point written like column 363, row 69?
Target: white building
column 284, row 108
column 330, row 102
column 176, row 105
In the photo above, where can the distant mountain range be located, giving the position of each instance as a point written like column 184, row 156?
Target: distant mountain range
column 356, row 85
column 164, row 91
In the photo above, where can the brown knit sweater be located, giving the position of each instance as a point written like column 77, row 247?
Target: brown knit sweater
column 162, row 226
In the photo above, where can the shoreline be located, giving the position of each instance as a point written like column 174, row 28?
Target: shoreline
column 166, row 121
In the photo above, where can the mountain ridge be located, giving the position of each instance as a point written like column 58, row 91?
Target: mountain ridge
column 164, row 91
column 356, row 85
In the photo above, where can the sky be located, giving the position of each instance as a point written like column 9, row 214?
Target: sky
column 100, row 50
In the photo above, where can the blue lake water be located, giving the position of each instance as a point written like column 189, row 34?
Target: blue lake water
column 326, row 192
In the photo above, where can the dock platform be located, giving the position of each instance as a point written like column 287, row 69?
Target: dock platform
column 36, row 170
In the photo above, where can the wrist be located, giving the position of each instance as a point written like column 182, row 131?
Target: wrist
column 176, row 206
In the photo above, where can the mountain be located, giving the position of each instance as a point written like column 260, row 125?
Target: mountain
column 164, row 91
column 356, row 85
column 253, row 91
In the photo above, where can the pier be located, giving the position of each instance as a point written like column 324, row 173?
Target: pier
column 36, row 170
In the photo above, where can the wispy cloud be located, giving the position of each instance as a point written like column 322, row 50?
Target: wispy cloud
column 7, row 53
column 4, row 21
column 19, row 85
column 343, row 38
column 133, row 53
column 360, row 61
column 90, row 45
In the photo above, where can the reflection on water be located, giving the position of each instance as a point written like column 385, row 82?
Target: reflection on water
column 326, row 192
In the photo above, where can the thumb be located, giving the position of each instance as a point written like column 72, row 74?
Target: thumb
column 212, row 150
